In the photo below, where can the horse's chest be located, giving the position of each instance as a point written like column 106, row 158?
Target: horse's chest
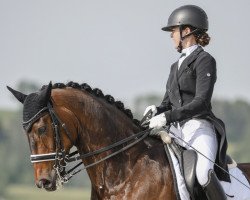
column 147, row 180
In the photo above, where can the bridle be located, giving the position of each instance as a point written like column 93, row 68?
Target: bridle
column 59, row 156
column 62, row 158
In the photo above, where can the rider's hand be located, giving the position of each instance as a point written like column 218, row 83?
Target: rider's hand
column 152, row 108
column 157, row 121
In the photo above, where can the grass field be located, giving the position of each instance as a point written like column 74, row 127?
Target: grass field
column 32, row 193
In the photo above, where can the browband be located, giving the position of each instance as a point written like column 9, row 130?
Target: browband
column 27, row 125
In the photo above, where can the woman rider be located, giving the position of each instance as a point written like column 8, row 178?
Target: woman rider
column 187, row 100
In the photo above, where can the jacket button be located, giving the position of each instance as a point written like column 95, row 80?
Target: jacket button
column 180, row 101
column 169, row 90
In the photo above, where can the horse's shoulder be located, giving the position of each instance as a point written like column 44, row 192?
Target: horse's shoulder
column 155, row 151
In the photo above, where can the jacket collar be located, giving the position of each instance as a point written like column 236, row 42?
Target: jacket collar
column 194, row 54
column 177, row 73
column 192, row 57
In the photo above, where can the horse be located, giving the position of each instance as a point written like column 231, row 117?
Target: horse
column 59, row 116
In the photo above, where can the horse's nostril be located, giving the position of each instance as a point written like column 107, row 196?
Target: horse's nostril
column 44, row 183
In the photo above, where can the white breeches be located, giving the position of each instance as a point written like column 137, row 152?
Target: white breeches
column 199, row 134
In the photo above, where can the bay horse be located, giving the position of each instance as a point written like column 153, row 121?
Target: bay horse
column 58, row 117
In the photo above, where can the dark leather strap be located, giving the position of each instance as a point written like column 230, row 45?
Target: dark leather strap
column 189, row 160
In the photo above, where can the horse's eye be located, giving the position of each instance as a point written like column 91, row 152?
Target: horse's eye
column 42, row 130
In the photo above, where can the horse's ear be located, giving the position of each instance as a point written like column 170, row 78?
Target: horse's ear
column 45, row 94
column 20, row 96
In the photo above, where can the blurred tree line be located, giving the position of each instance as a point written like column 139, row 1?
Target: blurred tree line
column 15, row 166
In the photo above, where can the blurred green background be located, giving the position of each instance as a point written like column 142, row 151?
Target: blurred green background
column 16, row 172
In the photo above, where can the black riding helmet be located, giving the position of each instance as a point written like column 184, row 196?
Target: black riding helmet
column 188, row 15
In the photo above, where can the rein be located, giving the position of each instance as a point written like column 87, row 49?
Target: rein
column 61, row 158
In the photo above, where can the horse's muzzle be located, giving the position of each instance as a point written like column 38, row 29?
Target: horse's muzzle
column 47, row 182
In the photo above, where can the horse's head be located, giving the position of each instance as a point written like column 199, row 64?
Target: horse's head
column 49, row 140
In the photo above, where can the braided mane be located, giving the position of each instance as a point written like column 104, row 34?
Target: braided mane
column 98, row 93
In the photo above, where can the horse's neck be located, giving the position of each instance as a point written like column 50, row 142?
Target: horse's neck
column 103, row 125
column 99, row 124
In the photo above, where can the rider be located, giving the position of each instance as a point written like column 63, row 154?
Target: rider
column 187, row 100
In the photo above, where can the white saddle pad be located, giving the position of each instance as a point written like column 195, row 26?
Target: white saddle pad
column 236, row 190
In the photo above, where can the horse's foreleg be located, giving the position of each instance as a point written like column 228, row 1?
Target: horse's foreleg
column 94, row 195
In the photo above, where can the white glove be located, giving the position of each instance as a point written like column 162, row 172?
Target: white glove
column 157, row 121
column 152, row 108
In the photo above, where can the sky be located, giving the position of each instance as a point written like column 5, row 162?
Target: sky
column 115, row 45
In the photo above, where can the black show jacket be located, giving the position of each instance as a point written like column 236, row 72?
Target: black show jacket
column 188, row 95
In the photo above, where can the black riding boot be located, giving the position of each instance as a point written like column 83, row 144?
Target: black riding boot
column 213, row 188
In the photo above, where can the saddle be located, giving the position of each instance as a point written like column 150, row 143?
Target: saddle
column 187, row 161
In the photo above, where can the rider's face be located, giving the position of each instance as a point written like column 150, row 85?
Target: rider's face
column 188, row 41
column 175, row 35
